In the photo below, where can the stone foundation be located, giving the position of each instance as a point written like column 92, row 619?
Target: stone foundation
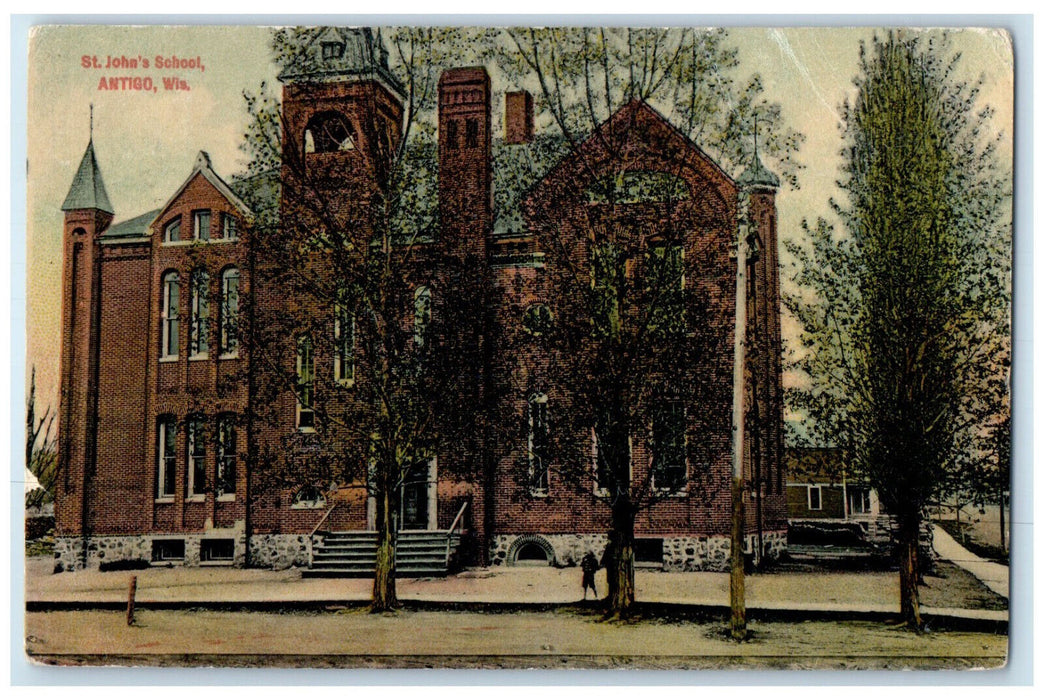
column 696, row 553
column 68, row 551
column 564, row 550
column 279, row 551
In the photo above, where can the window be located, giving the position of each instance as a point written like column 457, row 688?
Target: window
column 168, row 550
column 230, row 312
column 169, row 316
column 197, row 461
column 332, row 50
column 421, row 314
column 305, row 384
column 859, row 500
column 201, row 225
column 329, row 132
column 666, row 282
column 669, row 473
column 172, row 231
column 167, row 434
column 537, row 319
column 451, row 134
column 603, row 478
column 539, row 445
column 471, row 133
column 815, row 497
column 217, row 550
column 229, row 227
column 199, row 332
column 344, row 345
column 225, row 480
column 309, row 496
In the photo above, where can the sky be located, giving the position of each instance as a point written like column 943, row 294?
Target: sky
column 146, row 141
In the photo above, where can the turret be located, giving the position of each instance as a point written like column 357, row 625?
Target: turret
column 88, row 214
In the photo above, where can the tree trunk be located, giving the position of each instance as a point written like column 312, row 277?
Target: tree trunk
column 909, row 602
column 384, row 595
column 620, row 564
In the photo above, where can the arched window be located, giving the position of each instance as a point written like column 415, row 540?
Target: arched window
column 225, row 478
column 172, row 231
column 199, row 334
column 537, row 319
column 329, row 132
column 310, row 496
column 167, row 456
column 539, row 445
column 305, row 384
column 421, row 314
column 169, row 317
column 230, row 312
column 197, row 457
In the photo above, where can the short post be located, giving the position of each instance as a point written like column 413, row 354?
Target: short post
column 131, row 592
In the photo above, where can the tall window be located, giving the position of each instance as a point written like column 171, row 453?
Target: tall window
column 226, row 456
column 815, row 497
column 230, row 312
column 229, row 227
column 169, row 316
column 199, row 340
column 666, row 282
column 201, row 225
column 668, row 466
column 603, row 479
column 421, row 314
column 451, row 134
column 305, row 384
column 167, row 435
column 344, row 344
column 539, row 445
column 172, row 231
column 471, row 133
column 197, row 450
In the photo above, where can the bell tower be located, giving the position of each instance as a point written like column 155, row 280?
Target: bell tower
column 342, row 117
column 88, row 214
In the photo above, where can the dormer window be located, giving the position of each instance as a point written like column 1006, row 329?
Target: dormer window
column 332, row 50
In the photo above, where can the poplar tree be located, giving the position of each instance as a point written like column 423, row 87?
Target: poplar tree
column 904, row 308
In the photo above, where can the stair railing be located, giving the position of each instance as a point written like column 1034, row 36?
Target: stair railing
column 311, row 535
column 449, row 533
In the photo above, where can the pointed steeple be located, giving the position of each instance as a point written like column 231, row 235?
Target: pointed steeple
column 757, row 175
column 88, row 190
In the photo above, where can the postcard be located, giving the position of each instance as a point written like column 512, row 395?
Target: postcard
column 519, row 347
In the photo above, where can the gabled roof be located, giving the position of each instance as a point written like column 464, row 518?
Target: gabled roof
column 88, row 190
column 203, row 168
column 621, row 124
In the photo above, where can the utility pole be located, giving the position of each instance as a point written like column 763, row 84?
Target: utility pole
column 737, row 595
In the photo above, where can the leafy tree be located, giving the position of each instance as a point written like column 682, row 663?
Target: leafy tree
column 347, row 271
column 627, row 330
column 905, row 310
column 41, row 458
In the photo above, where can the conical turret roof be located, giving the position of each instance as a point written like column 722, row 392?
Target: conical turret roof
column 88, row 190
column 757, row 175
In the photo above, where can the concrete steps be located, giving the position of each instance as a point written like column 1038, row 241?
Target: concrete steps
column 352, row 554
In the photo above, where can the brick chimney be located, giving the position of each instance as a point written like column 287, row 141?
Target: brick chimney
column 465, row 160
column 518, row 117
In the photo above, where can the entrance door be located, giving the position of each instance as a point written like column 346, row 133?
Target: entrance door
column 415, row 498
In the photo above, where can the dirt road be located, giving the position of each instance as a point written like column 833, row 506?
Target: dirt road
column 566, row 638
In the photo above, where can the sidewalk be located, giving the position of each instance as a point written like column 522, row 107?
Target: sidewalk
column 826, row 592
column 993, row 576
